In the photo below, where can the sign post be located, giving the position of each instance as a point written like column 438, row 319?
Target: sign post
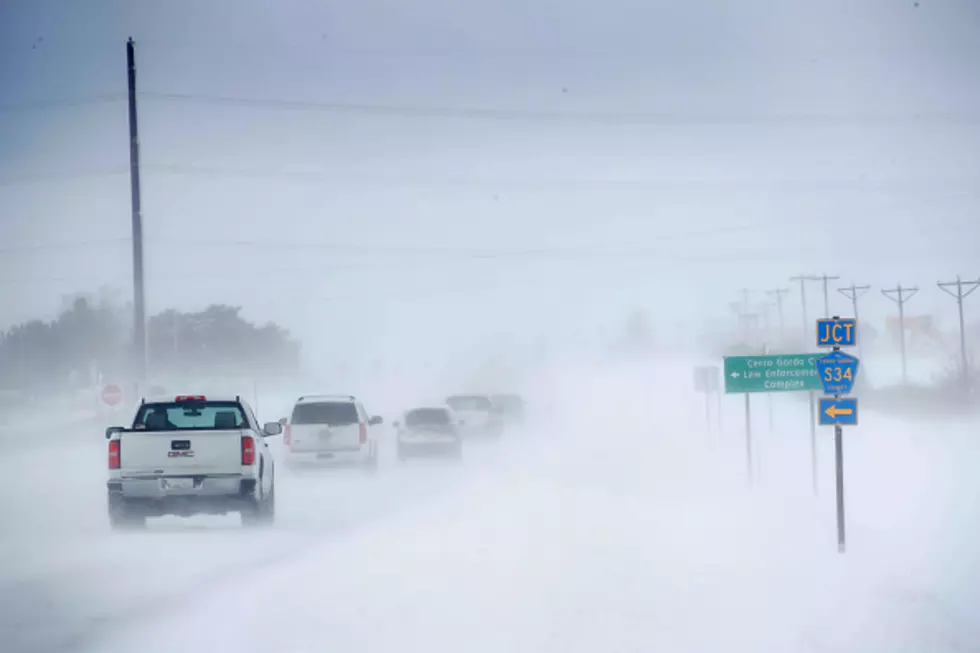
column 750, row 472
column 706, row 382
column 837, row 374
column 769, row 373
column 814, row 458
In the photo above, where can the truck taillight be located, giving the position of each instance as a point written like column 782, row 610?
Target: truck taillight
column 248, row 450
column 363, row 433
column 114, row 457
column 287, row 434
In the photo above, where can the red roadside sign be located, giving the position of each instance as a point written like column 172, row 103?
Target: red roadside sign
column 111, row 395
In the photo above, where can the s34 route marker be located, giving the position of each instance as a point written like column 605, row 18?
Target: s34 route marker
column 837, row 372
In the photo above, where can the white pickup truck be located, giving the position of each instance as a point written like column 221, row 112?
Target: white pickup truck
column 191, row 455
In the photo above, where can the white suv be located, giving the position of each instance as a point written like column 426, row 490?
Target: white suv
column 331, row 429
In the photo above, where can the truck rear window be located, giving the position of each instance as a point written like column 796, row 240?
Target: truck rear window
column 191, row 416
column 469, row 402
column 509, row 403
column 331, row 413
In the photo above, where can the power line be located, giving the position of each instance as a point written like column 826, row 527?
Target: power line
column 898, row 296
column 565, row 185
column 500, row 185
column 33, row 247
column 61, row 177
column 667, row 258
column 60, row 103
column 653, row 118
column 649, row 256
column 463, row 252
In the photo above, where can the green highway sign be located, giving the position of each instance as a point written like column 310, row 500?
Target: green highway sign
column 779, row 373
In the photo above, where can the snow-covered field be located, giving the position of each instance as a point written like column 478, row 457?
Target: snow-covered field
column 617, row 523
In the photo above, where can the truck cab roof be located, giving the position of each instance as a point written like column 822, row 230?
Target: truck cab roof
column 191, row 397
column 312, row 399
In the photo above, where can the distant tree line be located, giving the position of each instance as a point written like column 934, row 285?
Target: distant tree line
column 92, row 337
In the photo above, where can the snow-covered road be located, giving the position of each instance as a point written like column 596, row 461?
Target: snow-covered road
column 618, row 526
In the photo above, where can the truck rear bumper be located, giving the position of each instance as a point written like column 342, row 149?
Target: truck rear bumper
column 348, row 456
column 430, row 448
column 209, row 495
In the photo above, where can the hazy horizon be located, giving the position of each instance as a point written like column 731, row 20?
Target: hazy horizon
column 766, row 140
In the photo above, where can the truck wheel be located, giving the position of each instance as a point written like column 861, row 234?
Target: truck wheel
column 256, row 513
column 267, row 508
column 371, row 463
column 122, row 516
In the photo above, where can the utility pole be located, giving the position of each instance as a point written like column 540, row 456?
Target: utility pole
column 803, row 278
column 854, row 293
column 826, row 296
column 814, row 470
column 749, row 322
column 898, row 296
column 139, row 298
column 963, row 290
column 745, row 298
column 744, row 317
column 778, row 293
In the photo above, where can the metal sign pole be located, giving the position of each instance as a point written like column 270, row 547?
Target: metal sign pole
column 748, row 438
column 814, row 458
column 839, row 469
column 839, row 454
column 707, row 411
column 718, row 411
column 838, row 373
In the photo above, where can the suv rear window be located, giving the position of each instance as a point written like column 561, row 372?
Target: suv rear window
column 427, row 417
column 469, row 402
column 509, row 402
column 190, row 416
column 336, row 413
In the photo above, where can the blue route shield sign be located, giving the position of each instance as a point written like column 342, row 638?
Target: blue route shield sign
column 837, row 372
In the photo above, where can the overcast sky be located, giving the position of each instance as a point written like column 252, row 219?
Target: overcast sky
column 433, row 173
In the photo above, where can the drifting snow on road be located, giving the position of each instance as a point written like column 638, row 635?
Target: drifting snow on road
column 622, row 526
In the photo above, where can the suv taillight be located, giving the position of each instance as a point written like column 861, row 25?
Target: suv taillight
column 114, row 457
column 363, row 433
column 248, row 450
column 287, row 434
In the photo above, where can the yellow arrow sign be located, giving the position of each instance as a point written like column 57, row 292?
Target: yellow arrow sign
column 834, row 411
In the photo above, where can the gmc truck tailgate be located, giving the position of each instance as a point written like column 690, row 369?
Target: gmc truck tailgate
column 191, row 452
